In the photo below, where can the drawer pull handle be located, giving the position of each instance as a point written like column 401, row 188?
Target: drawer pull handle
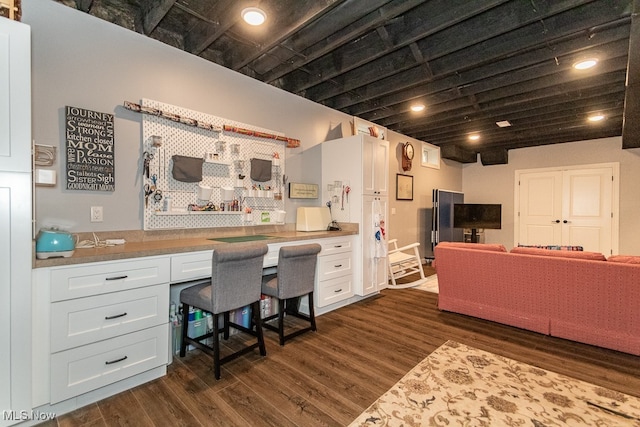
column 337, row 290
column 115, row 317
column 115, row 361
column 117, row 277
column 338, row 266
column 337, row 246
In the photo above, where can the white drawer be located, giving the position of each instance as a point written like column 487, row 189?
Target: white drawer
column 334, row 290
column 99, row 278
column 82, row 369
column 196, row 265
column 336, row 245
column 334, row 266
column 86, row 320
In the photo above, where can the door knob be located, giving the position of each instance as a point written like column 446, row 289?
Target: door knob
column 557, row 221
column 566, row 222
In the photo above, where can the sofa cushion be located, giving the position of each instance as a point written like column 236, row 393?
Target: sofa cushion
column 495, row 247
column 593, row 256
column 627, row 259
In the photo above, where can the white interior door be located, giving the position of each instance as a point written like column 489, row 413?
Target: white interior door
column 540, row 208
column 587, row 209
column 573, row 206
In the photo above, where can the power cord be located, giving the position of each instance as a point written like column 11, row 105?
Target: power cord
column 97, row 243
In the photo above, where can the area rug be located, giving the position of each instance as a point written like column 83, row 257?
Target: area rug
column 457, row 385
column 430, row 284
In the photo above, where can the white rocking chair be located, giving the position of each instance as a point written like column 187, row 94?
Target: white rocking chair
column 404, row 261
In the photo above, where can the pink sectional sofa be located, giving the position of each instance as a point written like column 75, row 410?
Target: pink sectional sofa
column 579, row 296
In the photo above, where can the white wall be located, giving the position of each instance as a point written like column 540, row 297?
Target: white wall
column 86, row 62
column 495, row 184
column 412, row 219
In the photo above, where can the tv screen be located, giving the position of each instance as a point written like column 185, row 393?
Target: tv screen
column 470, row 215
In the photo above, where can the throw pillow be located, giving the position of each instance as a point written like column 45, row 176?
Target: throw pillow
column 628, row 259
column 593, row 256
column 495, row 247
column 553, row 247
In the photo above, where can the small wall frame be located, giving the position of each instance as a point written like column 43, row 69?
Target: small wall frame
column 404, row 187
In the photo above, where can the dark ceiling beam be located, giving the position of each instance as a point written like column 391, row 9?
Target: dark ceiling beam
column 631, row 126
column 353, row 17
column 477, row 33
column 517, row 93
column 485, row 125
column 152, row 12
column 537, row 139
column 84, row 5
column 223, row 15
column 284, row 27
column 546, row 128
column 457, row 153
column 366, row 49
column 394, row 90
column 432, row 124
column 459, row 123
column 341, row 36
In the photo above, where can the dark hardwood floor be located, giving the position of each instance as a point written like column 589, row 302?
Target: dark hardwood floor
column 331, row 376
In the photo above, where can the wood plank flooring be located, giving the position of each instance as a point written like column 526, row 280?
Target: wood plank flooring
column 329, row 377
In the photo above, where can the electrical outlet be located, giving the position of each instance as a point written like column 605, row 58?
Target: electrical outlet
column 96, row 213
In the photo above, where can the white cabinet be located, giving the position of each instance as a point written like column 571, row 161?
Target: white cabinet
column 109, row 321
column 15, row 219
column 375, row 161
column 360, row 163
column 15, row 102
column 334, row 274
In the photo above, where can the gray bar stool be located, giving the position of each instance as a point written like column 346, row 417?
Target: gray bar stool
column 295, row 278
column 236, row 274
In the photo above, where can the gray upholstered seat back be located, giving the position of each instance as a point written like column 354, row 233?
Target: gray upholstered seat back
column 297, row 270
column 236, row 275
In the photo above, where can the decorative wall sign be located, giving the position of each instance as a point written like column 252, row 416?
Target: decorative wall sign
column 303, row 191
column 89, row 150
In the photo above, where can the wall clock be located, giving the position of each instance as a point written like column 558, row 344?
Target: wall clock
column 407, row 156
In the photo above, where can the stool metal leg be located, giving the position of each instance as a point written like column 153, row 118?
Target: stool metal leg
column 185, row 325
column 255, row 308
column 216, row 347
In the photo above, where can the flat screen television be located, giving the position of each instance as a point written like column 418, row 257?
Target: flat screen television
column 474, row 216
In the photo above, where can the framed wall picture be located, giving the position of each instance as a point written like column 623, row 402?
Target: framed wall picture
column 404, row 187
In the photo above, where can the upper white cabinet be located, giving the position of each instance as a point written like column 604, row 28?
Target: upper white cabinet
column 375, row 157
column 15, row 101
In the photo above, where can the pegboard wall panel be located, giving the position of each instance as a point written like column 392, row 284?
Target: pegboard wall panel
column 173, row 203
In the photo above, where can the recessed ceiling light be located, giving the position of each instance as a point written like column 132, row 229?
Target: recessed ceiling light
column 585, row 64
column 417, row 107
column 474, row 137
column 596, row 118
column 504, row 123
column 254, row 16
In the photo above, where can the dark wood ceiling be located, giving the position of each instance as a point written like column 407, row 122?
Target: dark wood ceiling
column 472, row 63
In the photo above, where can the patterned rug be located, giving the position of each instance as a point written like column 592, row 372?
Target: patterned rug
column 430, row 284
column 458, row 385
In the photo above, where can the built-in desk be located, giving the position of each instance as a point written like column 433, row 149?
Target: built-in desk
column 101, row 317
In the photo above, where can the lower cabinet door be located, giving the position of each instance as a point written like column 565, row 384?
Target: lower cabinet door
column 334, row 290
column 86, row 368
